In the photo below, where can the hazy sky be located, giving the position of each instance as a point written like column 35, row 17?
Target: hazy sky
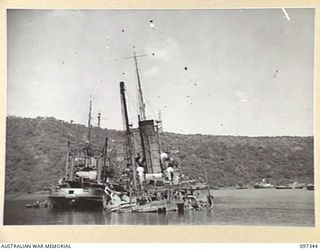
column 227, row 72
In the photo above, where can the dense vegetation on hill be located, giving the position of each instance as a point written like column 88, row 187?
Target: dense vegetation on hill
column 36, row 152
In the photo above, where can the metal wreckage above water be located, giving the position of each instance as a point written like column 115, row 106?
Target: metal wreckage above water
column 151, row 181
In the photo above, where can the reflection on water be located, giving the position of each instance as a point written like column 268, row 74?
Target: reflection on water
column 232, row 207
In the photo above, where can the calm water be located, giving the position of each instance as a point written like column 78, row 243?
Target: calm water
column 232, row 207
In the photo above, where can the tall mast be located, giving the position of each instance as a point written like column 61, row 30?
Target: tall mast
column 160, row 125
column 141, row 102
column 102, row 162
column 67, row 161
column 89, row 122
column 140, row 96
column 124, row 106
column 130, row 146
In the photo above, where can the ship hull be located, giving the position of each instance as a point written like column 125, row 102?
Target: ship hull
column 283, row 187
column 261, row 186
column 76, row 198
column 310, row 187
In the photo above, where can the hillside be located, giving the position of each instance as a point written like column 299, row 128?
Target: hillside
column 36, row 151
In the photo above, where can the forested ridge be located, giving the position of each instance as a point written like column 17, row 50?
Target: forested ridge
column 36, row 152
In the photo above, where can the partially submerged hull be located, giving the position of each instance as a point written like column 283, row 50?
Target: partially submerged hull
column 120, row 207
column 167, row 199
column 161, row 206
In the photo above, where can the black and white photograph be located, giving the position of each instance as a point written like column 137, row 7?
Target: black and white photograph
column 160, row 117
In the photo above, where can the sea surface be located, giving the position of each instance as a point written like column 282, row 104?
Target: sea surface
column 258, row 207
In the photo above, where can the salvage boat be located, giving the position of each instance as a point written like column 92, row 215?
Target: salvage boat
column 82, row 186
